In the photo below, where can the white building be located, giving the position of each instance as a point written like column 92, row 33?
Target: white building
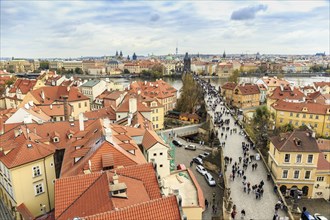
column 93, row 88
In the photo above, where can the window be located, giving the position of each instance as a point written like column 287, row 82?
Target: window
column 51, row 164
column 291, row 114
column 296, row 123
column 290, row 122
column 307, row 174
column 160, row 154
column 311, row 116
column 79, row 105
column 297, row 115
column 315, row 125
column 153, row 118
column 157, row 110
column 287, row 158
column 85, row 104
column 310, row 158
column 38, row 189
column 304, row 115
column 296, row 174
column 320, row 179
column 36, row 171
column 316, row 117
column 281, row 120
column 156, row 118
column 298, row 159
column 285, row 174
column 161, row 165
column 155, row 154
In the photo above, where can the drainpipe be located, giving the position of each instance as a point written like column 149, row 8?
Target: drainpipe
column 47, row 185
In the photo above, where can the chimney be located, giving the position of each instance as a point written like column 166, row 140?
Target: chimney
column 129, row 118
column 66, row 107
column 81, row 122
column 115, row 179
column 132, row 105
column 16, row 132
column 68, row 88
column 51, row 106
column 107, row 130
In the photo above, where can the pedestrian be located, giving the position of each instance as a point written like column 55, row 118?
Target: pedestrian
column 243, row 213
column 244, row 189
column 255, row 165
column 213, row 208
column 257, row 194
column 240, row 159
column 230, row 159
column 275, row 189
column 233, row 214
column 252, row 167
column 249, row 190
column 206, row 203
column 304, row 214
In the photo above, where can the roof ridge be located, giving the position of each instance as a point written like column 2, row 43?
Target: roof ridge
column 286, row 140
column 102, row 173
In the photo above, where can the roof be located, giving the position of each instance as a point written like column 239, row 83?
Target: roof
column 324, row 144
column 305, row 107
column 24, row 85
column 55, row 93
column 295, row 141
column 151, row 138
column 108, row 112
column 163, row 208
column 322, row 163
column 23, row 151
column 91, row 83
column 274, row 81
column 88, row 194
column 25, row 212
column 229, row 86
column 322, row 84
column 55, row 109
column 124, row 106
column 248, row 89
column 287, row 92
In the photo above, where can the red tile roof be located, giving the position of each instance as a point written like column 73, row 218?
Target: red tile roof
column 25, row 212
column 324, row 144
column 24, row 151
column 229, row 86
column 322, row 84
column 248, row 89
column 288, row 142
column 24, row 85
column 165, row 208
column 322, row 163
column 286, row 92
column 124, row 106
column 151, row 138
column 311, row 108
column 55, row 93
column 88, row 194
column 106, row 112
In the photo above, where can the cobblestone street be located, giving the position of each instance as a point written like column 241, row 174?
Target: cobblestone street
column 255, row 208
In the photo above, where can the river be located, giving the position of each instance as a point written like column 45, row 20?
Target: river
column 177, row 83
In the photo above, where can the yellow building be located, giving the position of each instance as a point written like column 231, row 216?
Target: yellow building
column 315, row 115
column 27, row 173
column 157, row 112
column 246, row 96
column 293, row 159
column 227, row 91
column 322, row 183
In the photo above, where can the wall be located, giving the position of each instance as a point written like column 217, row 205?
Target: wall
column 160, row 159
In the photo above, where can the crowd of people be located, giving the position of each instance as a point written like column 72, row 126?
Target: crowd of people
column 224, row 130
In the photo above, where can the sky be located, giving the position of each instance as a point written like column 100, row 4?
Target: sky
column 71, row 29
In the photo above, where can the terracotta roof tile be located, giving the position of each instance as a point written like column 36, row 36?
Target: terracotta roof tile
column 248, row 89
column 25, row 212
column 286, row 92
column 150, row 138
column 324, row 144
column 24, row 85
column 164, row 208
column 311, row 108
column 322, row 163
column 295, row 141
column 229, row 86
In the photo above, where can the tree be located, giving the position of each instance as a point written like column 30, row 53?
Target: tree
column 126, row 71
column 261, row 122
column 78, row 71
column 191, row 95
column 44, row 65
column 234, row 77
column 10, row 81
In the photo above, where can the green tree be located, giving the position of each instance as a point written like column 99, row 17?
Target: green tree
column 234, row 77
column 261, row 123
column 11, row 81
column 191, row 95
column 78, row 71
column 126, row 71
column 44, row 65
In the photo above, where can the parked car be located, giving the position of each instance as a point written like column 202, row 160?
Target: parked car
column 201, row 156
column 318, row 216
column 190, row 147
column 177, row 143
column 198, row 160
column 201, row 169
column 206, row 154
column 209, row 179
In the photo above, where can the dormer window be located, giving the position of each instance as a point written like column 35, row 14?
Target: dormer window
column 56, row 139
column 70, row 136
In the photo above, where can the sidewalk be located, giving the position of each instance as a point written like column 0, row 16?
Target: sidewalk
column 255, row 209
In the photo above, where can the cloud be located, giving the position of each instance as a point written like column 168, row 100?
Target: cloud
column 154, row 17
column 247, row 13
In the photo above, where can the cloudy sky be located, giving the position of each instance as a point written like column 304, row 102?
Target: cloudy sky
column 94, row 28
